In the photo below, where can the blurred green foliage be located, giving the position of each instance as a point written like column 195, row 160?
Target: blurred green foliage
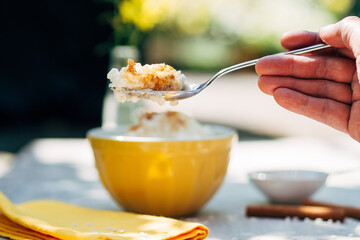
column 355, row 9
column 206, row 34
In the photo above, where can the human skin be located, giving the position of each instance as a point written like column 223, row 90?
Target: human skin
column 322, row 85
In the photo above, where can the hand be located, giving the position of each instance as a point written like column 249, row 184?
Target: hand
column 323, row 85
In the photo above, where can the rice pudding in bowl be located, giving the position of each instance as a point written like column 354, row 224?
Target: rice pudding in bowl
column 170, row 124
column 169, row 176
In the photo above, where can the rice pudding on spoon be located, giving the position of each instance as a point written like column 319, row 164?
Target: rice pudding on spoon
column 147, row 80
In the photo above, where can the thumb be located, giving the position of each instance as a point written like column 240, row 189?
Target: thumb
column 345, row 33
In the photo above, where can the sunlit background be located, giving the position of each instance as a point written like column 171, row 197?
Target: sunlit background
column 55, row 54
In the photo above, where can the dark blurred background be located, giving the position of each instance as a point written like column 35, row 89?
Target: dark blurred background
column 51, row 79
column 55, row 54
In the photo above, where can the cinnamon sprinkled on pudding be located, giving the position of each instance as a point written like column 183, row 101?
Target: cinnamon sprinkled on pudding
column 168, row 124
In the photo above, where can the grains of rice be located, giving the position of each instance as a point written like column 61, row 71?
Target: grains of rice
column 135, row 81
column 169, row 124
column 144, row 234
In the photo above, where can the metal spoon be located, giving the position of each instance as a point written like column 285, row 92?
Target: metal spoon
column 194, row 89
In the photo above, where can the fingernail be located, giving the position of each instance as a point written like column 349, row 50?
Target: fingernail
column 287, row 33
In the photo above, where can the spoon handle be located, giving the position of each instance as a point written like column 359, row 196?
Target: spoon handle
column 253, row 62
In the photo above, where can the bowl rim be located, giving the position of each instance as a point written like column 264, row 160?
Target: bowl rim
column 221, row 132
column 315, row 176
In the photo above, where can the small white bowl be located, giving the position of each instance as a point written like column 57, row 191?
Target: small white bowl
column 288, row 186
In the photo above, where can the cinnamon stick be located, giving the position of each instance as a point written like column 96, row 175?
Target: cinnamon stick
column 349, row 211
column 282, row 211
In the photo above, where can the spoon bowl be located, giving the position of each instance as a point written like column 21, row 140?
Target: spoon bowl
column 188, row 91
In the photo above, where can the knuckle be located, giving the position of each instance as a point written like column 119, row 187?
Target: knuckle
column 323, row 89
column 350, row 20
column 325, row 112
column 321, row 70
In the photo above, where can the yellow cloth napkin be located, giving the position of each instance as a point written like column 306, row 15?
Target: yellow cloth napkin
column 45, row 219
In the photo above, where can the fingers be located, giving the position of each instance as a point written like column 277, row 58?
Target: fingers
column 327, row 111
column 355, row 86
column 299, row 39
column 358, row 67
column 312, row 67
column 345, row 33
column 354, row 121
column 339, row 92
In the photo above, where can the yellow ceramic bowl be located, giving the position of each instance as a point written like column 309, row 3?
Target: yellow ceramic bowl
column 161, row 176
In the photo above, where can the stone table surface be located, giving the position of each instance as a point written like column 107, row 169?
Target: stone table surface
column 63, row 169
